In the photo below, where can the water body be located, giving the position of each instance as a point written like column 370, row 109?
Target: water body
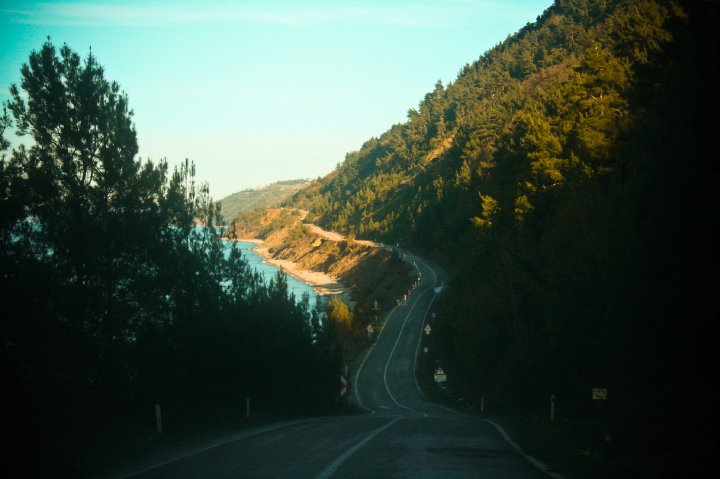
column 268, row 271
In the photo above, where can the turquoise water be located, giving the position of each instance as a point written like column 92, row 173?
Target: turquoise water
column 268, row 271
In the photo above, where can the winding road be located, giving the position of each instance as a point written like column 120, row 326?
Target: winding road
column 403, row 435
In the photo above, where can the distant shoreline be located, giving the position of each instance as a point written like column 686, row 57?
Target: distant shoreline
column 248, row 240
column 323, row 284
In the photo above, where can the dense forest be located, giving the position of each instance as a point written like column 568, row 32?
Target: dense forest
column 564, row 181
column 113, row 300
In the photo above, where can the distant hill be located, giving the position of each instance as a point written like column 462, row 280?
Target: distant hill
column 260, row 197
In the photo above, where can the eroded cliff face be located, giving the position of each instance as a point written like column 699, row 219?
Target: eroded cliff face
column 371, row 272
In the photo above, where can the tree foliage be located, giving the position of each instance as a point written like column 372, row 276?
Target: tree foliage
column 114, row 299
column 564, row 193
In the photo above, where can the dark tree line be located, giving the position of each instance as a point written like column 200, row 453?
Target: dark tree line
column 564, row 181
column 113, row 299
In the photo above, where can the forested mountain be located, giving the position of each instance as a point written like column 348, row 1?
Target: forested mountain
column 256, row 198
column 564, row 181
column 113, row 300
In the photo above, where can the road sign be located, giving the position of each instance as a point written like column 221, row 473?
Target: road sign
column 440, row 376
column 599, row 394
column 370, row 330
column 375, row 305
column 343, row 385
column 425, row 349
column 427, row 329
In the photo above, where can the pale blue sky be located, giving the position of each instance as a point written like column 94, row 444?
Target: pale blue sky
column 259, row 91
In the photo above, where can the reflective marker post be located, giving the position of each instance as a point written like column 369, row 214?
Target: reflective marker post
column 158, row 418
column 600, row 395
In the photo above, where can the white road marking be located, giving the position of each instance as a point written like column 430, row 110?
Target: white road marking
column 417, row 349
column 357, row 374
column 330, row 470
column 529, row 459
column 387, row 388
column 237, row 437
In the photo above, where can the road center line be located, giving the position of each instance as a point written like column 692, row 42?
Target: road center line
column 330, row 470
column 357, row 375
column 387, row 364
column 417, row 349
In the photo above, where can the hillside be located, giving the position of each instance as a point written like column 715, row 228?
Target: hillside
column 261, row 197
column 373, row 274
column 563, row 180
column 370, row 272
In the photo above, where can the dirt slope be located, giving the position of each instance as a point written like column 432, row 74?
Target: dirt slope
column 371, row 273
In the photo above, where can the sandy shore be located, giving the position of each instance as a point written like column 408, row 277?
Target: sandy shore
column 249, row 240
column 322, row 283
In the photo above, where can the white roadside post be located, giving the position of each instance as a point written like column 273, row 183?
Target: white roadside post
column 600, row 395
column 158, row 418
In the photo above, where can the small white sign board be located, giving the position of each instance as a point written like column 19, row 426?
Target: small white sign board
column 440, row 376
column 599, row 394
column 427, row 329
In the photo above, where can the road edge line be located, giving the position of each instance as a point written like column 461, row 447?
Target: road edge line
column 535, row 462
column 238, row 437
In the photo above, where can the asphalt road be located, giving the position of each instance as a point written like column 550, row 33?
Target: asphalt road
column 402, row 436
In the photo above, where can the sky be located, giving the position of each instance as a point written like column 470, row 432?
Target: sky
column 259, row 91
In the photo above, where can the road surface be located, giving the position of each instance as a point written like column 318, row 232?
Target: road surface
column 402, row 435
